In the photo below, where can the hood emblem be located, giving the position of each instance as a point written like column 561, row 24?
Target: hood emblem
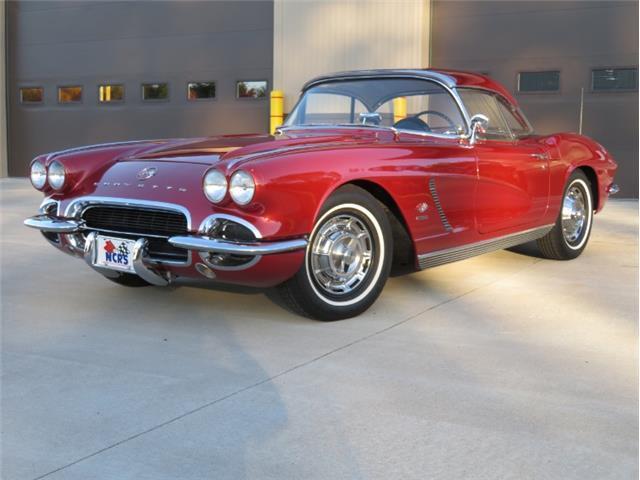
column 146, row 173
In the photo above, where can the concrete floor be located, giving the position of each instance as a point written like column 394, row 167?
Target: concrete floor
column 503, row 366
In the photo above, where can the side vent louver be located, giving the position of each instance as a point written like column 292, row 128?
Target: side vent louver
column 436, row 199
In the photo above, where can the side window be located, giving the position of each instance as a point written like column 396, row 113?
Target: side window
column 516, row 123
column 476, row 102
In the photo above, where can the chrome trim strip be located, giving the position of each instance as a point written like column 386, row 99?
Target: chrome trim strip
column 203, row 244
column 76, row 207
column 45, row 223
column 44, row 205
column 441, row 257
column 120, row 232
column 204, row 256
column 207, row 223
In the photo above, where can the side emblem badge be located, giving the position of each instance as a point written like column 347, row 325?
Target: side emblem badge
column 146, row 173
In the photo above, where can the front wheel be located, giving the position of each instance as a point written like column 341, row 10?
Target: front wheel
column 570, row 234
column 347, row 261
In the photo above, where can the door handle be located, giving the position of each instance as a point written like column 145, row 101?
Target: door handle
column 540, row 156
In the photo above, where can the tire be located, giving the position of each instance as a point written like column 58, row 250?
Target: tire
column 351, row 225
column 562, row 242
column 129, row 280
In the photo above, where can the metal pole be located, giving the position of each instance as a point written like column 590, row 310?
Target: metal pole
column 581, row 110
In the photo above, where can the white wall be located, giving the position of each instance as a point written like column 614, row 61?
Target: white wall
column 3, row 94
column 313, row 37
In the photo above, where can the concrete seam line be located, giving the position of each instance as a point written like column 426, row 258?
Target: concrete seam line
column 284, row 372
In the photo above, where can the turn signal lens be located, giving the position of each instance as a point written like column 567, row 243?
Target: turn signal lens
column 56, row 175
column 215, row 185
column 242, row 187
column 38, row 175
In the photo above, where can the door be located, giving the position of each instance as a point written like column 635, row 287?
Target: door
column 513, row 168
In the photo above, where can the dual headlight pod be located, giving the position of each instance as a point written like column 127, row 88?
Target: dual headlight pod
column 55, row 175
column 241, row 186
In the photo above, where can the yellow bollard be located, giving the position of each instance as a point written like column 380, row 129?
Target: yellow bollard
column 277, row 110
column 399, row 108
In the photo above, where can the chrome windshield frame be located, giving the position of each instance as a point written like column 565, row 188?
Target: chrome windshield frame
column 431, row 78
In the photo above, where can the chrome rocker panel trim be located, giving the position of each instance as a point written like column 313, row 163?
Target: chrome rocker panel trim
column 47, row 223
column 442, row 257
column 204, row 244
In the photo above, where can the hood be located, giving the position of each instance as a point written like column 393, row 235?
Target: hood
column 234, row 148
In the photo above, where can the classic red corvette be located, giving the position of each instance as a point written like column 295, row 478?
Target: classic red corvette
column 371, row 169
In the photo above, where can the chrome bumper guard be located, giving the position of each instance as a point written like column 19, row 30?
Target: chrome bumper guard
column 47, row 223
column 141, row 264
column 212, row 245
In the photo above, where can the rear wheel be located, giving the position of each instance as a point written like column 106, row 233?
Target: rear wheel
column 570, row 234
column 129, row 280
column 347, row 261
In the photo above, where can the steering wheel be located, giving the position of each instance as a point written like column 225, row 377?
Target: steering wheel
column 415, row 123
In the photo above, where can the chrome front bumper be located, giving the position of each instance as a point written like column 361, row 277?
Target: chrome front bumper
column 200, row 243
column 47, row 223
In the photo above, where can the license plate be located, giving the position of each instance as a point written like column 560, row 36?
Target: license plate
column 114, row 253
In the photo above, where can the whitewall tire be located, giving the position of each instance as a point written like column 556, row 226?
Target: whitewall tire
column 348, row 258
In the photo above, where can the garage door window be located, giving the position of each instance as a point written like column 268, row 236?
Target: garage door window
column 201, row 90
column 251, row 89
column 154, row 92
column 614, row 79
column 70, row 94
column 539, row 82
column 110, row 93
column 31, row 95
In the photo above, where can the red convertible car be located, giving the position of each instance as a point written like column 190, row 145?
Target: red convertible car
column 371, row 169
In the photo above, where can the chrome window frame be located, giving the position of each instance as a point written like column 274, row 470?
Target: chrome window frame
column 506, row 100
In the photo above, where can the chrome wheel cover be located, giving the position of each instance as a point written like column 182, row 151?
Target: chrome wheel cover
column 574, row 214
column 341, row 254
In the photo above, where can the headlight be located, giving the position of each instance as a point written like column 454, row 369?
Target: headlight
column 38, row 175
column 56, row 175
column 242, row 187
column 215, row 185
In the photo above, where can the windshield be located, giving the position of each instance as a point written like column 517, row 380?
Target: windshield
column 404, row 103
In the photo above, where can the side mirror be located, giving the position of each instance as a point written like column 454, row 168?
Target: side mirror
column 478, row 124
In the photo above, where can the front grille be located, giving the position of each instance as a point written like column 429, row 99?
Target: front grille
column 135, row 222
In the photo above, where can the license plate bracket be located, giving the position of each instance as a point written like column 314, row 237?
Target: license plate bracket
column 114, row 253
